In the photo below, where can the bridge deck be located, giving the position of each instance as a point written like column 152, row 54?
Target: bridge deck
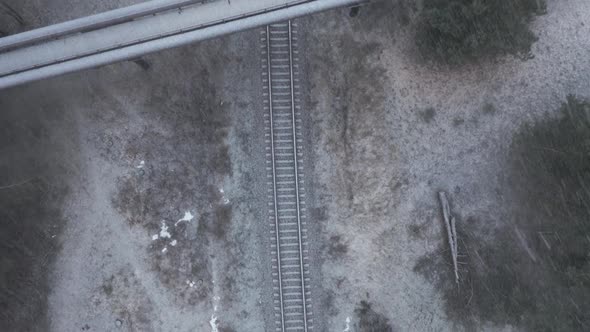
column 127, row 39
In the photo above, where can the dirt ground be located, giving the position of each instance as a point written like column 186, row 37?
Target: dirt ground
column 391, row 131
column 133, row 196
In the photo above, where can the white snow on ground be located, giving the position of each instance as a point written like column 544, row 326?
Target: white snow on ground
column 141, row 164
column 347, row 328
column 164, row 231
column 224, row 199
column 214, row 322
column 188, row 216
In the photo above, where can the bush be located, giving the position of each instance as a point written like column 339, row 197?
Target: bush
column 538, row 280
column 458, row 31
column 551, row 176
column 371, row 321
column 554, row 155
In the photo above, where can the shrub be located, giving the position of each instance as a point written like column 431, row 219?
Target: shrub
column 554, row 156
column 458, row 31
column 536, row 279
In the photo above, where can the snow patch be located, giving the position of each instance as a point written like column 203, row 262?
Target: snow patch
column 214, row 322
column 173, row 243
column 347, row 328
column 188, row 216
column 141, row 165
column 155, row 237
column 164, row 231
column 224, row 199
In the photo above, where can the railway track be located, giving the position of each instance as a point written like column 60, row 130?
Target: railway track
column 286, row 192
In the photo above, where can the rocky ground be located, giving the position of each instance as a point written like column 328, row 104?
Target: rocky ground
column 133, row 195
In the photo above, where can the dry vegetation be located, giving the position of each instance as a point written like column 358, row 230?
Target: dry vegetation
column 458, row 31
column 532, row 271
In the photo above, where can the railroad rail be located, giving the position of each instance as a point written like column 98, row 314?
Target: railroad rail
column 286, row 192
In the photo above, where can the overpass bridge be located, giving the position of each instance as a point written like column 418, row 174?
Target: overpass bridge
column 133, row 31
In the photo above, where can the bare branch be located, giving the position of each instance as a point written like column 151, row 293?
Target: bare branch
column 451, row 232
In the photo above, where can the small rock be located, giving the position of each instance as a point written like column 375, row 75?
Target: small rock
column 118, row 323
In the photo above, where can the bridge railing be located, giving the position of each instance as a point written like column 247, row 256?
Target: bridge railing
column 134, row 31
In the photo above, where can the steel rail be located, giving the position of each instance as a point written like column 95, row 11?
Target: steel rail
column 292, row 311
column 299, row 234
column 274, row 177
